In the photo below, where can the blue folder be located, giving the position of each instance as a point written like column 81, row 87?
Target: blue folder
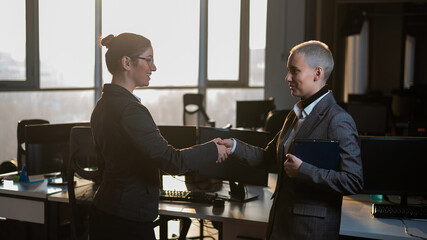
column 322, row 153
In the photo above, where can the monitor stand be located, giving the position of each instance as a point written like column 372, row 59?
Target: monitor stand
column 239, row 194
column 403, row 200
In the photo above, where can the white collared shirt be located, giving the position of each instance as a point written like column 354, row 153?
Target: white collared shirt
column 301, row 115
column 305, row 112
column 139, row 99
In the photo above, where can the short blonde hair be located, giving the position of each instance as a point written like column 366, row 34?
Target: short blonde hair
column 316, row 54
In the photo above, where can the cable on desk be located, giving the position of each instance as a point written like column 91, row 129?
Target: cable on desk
column 408, row 233
column 174, row 175
column 205, row 226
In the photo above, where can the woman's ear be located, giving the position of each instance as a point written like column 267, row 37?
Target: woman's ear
column 126, row 61
column 318, row 73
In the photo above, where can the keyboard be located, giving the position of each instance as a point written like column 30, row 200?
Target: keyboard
column 399, row 211
column 188, row 196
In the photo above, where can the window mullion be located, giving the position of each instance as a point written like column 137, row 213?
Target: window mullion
column 32, row 52
column 98, row 51
column 244, row 44
column 203, row 47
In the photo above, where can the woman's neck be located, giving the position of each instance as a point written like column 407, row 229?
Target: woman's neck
column 123, row 82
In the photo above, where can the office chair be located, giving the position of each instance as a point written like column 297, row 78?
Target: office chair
column 274, row 121
column 193, row 109
column 8, row 166
column 21, row 138
column 84, row 163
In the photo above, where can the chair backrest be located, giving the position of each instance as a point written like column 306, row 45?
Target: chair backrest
column 8, row 166
column 21, row 138
column 85, row 163
column 274, row 121
column 194, row 110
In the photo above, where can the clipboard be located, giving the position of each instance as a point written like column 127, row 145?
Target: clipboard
column 322, row 153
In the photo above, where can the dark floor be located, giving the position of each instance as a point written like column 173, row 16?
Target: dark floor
column 17, row 230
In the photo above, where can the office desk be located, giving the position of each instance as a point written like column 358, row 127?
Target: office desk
column 244, row 219
column 238, row 219
column 29, row 202
column 26, row 201
column 357, row 221
column 250, row 218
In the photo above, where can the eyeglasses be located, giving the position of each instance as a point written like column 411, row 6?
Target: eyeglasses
column 149, row 60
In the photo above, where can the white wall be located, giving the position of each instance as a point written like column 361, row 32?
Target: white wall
column 285, row 29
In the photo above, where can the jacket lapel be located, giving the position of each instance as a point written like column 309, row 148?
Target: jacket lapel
column 289, row 122
column 315, row 116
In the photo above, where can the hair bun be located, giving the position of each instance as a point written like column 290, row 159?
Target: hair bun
column 107, row 41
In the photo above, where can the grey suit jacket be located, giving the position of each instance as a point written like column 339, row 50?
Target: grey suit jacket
column 309, row 206
column 129, row 142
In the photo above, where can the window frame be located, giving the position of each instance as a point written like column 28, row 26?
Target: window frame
column 31, row 52
column 32, row 81
column 32, row 58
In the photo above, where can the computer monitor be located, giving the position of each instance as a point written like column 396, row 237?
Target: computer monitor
column 47, row 148
column 252, row 114
column 231, row 169
column 394, row 165
column 370, row 118
column 179, row 136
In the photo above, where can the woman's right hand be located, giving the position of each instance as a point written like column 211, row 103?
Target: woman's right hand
column 223, row 151
column 229, row 142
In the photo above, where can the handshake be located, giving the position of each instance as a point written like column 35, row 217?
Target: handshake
column 224, row 147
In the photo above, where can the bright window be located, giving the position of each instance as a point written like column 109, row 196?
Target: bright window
column 236, row 43
column 257, row 39
column 67, row 43
column 173, row 28
column 12, row 27
column 223, row 40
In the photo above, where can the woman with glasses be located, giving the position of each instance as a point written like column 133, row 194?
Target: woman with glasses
column 130, row 147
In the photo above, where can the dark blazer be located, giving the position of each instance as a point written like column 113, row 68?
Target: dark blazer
column 309, row 206
column 129, row 142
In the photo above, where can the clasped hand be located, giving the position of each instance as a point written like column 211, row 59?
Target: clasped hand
column 223, row 150
column 292, row 165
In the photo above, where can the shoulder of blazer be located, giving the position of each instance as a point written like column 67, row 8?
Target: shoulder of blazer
column 325, row 104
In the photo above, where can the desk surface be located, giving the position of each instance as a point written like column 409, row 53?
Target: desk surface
column 356, row 217
column 35, row 190
column 26, row 201
column 252, row 211
column 357, row 220
column 83, row 190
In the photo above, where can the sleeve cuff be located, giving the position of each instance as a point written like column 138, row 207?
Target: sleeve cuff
column 234, row 146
